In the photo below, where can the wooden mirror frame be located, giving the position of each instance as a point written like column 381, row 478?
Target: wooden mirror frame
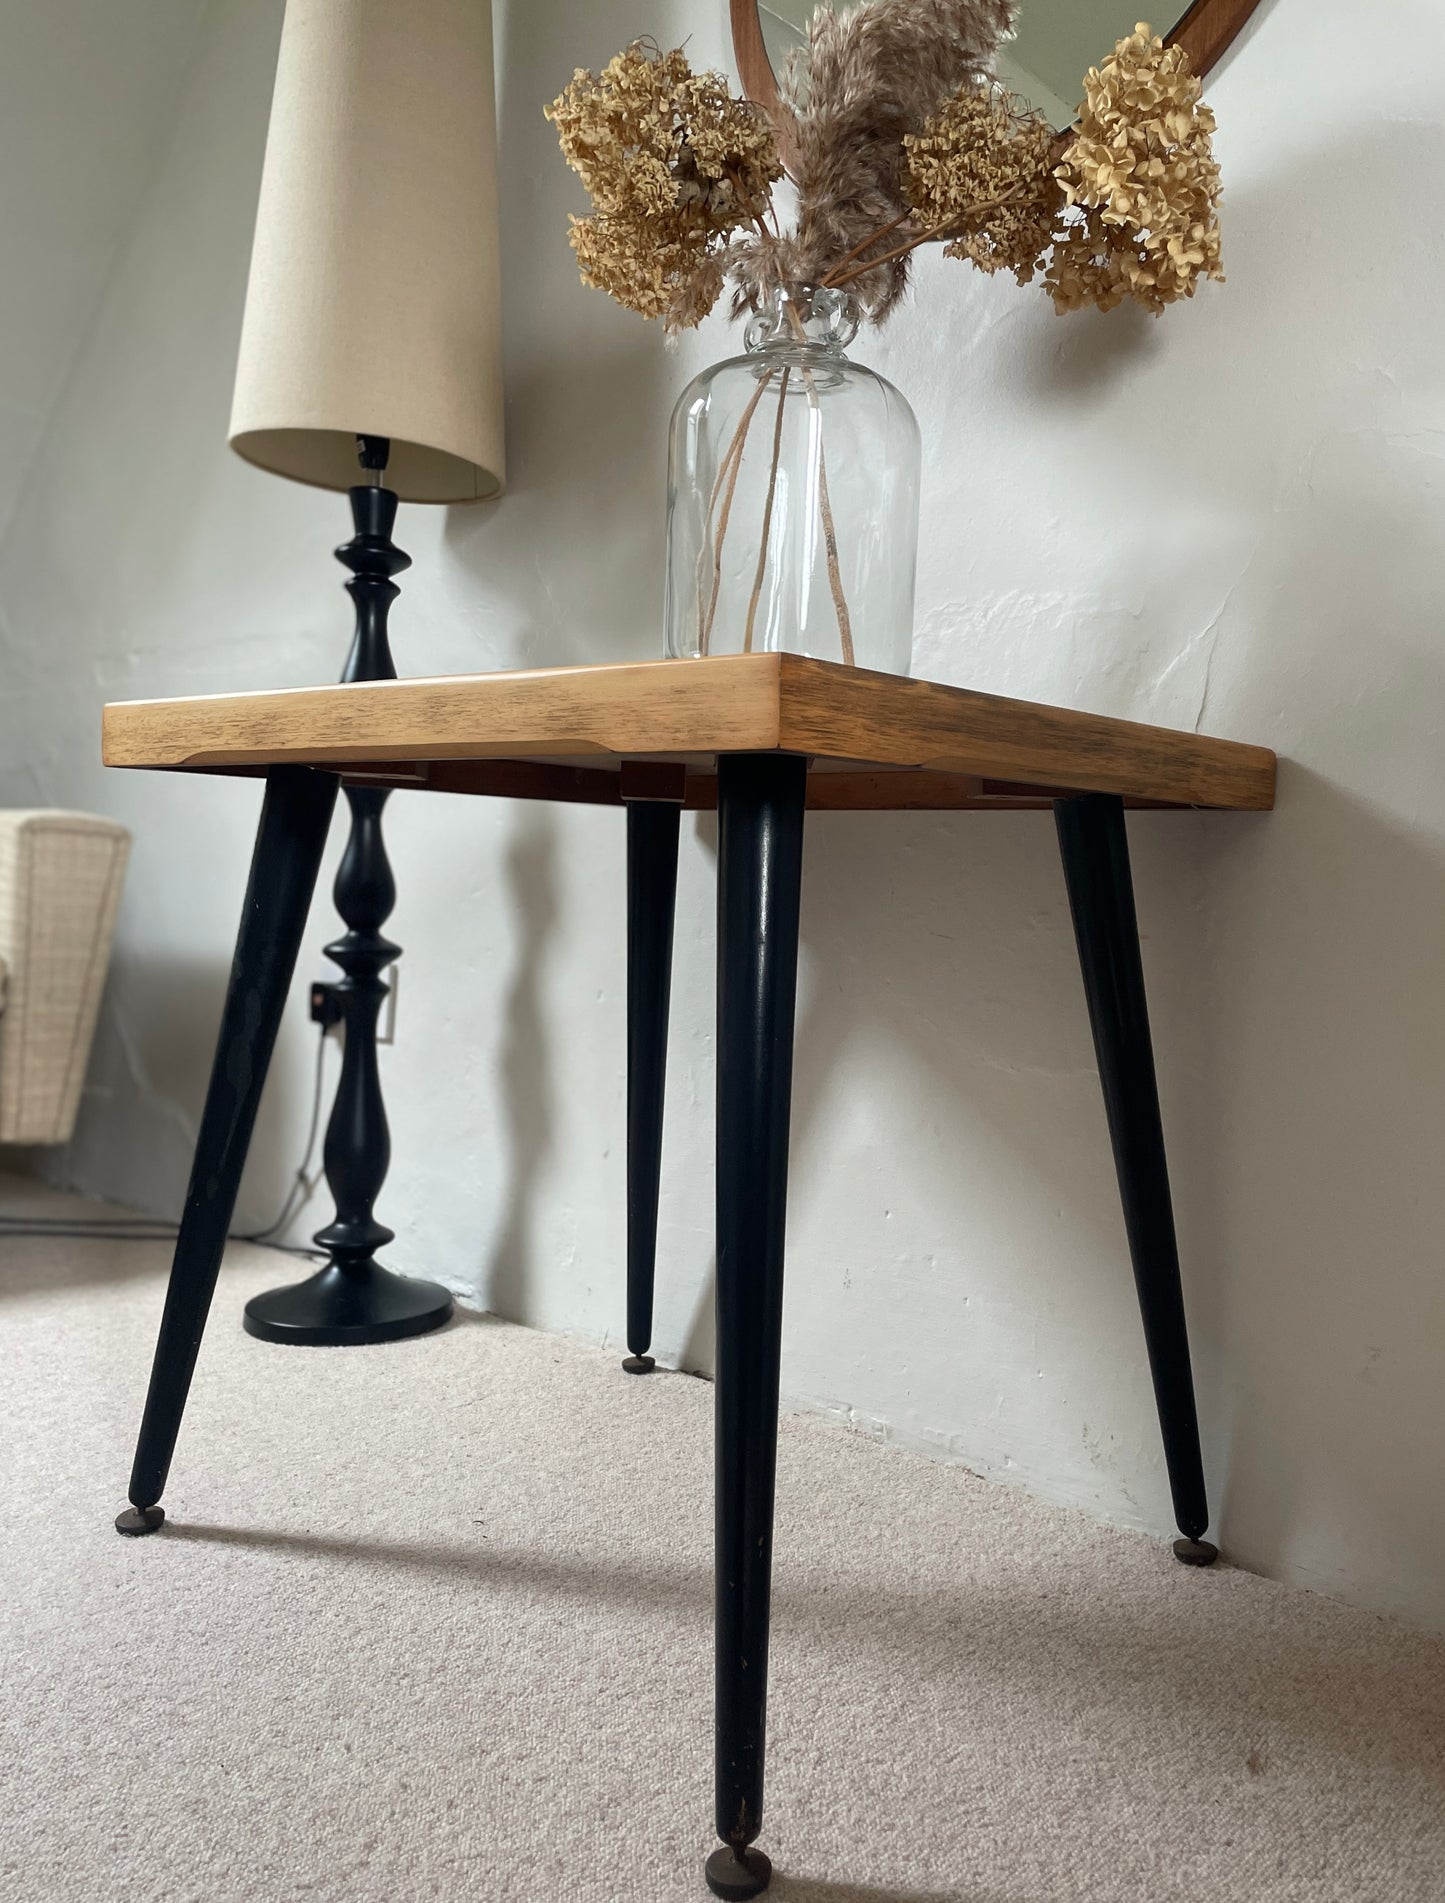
column 1206, row 31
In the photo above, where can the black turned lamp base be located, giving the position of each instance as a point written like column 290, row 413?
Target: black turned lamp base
column 738, row 1873
column 639, row 1364
column 353, row 1300
column 138, row 1520
column 1195, row 1552
column 348, row 1308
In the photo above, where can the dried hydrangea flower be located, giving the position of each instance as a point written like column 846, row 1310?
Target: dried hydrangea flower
column 884, row 160
column 1140, row 176
column 983, row 168
column 674, row 165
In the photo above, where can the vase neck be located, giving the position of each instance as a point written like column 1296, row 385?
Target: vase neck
column 804, row 317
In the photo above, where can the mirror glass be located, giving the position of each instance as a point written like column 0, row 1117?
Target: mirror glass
column 1058, row 41
column 785, row 26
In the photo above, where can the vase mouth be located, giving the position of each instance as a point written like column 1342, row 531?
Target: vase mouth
column 799, row 316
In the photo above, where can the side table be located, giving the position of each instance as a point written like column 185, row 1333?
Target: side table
column 764, row 738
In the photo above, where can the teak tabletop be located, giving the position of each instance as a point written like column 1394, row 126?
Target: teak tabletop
column 655, row 730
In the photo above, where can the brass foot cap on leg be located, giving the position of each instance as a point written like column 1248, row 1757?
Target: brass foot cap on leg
column 137, row 1520
column 639, row 1364
column 1195, row 1552
column 738, row 1873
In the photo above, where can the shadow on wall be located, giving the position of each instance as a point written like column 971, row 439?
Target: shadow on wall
column 586, row 427
column 155, row 1038
column 1316, row 1172
column 942, row 1035
column 529, row 1108
column 1310, row 1185
column 1311, row 1196
column 1323, row 1113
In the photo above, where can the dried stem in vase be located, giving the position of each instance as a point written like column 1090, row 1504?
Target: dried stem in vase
column 767, row 513
column 732, row 463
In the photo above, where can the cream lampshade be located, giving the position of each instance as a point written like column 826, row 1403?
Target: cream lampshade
column 372, row 307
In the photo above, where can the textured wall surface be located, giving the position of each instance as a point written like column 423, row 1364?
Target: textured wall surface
column 1230, row 519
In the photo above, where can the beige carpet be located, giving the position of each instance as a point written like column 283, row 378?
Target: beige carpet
column 432, row 1621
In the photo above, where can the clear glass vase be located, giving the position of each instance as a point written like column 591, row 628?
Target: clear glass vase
column 792, row 497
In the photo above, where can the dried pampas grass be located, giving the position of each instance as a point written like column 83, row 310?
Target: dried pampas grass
column 866, row 80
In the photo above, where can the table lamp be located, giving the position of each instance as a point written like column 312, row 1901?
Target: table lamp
column 370, row 361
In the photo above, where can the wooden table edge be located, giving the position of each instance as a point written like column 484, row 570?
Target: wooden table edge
column 943, row 745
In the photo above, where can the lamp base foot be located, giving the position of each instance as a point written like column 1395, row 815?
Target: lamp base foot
column 348, row 1308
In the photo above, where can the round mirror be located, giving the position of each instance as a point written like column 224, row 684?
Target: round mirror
column 1058, row 41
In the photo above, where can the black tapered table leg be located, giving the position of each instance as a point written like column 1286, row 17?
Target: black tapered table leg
column 1095, row 851
column 652, row 828
column 760, row 863
column 295, row 815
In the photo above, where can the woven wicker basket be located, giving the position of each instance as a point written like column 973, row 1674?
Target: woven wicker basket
column 60, row 881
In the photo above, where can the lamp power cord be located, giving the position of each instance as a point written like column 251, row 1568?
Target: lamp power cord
column 156, row 1229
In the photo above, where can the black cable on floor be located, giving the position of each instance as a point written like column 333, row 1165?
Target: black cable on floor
column 302, row 1185
column 156, row 1229
column 14, row 1231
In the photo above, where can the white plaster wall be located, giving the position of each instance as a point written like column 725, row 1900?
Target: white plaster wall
column 1230, row 519
column 85, row 94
